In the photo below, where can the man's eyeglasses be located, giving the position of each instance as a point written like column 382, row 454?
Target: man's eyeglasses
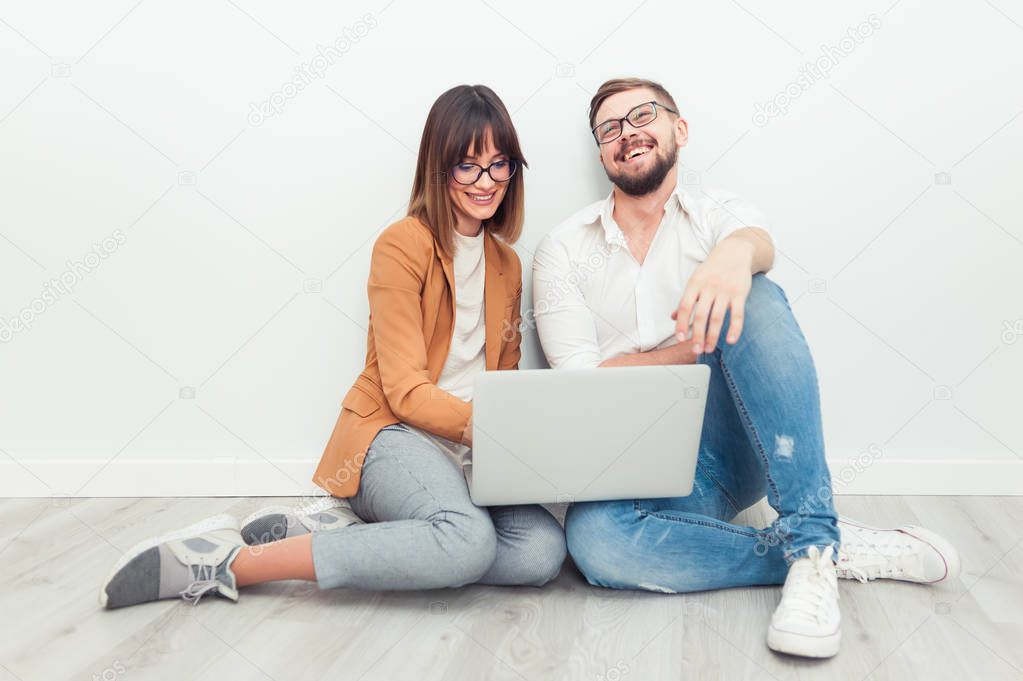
column 612, row 129
column 499, row 171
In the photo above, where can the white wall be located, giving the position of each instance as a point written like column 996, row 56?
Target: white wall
column 222, row 328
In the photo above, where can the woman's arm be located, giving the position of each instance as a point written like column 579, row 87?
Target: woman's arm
column 396, row 277
column 511, row 352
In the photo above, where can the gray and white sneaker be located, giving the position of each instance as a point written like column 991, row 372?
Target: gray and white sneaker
column 187, row 563
column 280, row 522
column 907, row 553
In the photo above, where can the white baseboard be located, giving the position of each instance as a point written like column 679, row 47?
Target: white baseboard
column 254, row 478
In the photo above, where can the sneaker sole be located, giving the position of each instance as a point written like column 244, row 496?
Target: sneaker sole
column 948, row 553
column 217, row 522
column 803, row 645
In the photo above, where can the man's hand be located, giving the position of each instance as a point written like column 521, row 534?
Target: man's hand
column 467, row 433
column 722, row 282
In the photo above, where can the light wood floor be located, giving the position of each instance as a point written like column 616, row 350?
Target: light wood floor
column 55, row 554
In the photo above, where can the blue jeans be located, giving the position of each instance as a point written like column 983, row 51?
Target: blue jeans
column 761, row 435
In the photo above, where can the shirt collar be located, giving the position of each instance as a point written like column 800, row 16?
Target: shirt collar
column 677, row 201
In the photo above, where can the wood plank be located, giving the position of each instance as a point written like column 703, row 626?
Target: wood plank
column 56, row 555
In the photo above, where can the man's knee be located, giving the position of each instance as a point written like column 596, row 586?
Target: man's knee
column 766, row 300
column 605, row 540
column 767, row 317
column 766, row 291
column 595, row 534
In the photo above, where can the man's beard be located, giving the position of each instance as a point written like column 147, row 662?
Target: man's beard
column 644, row 183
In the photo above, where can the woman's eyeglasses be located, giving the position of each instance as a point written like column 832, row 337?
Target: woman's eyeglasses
column 470, row 173
column 644, row 114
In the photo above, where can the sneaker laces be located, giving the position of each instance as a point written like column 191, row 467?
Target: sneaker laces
column 863, row 561
column 809, row 586
column 204, row 580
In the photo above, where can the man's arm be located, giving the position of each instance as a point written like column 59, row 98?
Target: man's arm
column 763, row 247
column 680, row 353
column 747, row 250
column 722, row 283
column 565, row 324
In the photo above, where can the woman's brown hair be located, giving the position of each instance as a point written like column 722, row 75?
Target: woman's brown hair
column 458, row 120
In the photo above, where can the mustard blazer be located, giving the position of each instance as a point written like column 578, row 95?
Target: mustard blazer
column 411, row 290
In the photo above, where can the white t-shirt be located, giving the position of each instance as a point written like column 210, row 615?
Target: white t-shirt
column 592, row 300
column 467, row 353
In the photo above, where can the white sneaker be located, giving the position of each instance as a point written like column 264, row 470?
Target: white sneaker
column 908, row 553
column 807, row 622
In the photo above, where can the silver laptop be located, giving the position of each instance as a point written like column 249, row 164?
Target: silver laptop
column 547, row 436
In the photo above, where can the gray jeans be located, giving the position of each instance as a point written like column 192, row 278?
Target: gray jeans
column 422, row 530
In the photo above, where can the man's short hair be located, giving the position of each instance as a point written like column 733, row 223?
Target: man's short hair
column 616, row 85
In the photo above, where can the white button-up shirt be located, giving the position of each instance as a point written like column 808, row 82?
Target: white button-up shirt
column 592, row 300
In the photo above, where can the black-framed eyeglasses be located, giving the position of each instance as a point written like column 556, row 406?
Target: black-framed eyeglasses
column 470, row 173
column 638, row 116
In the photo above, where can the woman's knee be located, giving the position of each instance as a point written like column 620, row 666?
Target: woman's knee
column 470, row 541
column 547, row 550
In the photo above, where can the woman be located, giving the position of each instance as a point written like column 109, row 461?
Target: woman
column 444, row 289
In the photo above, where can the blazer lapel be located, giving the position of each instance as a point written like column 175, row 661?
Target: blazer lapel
column 447, row 266
column 493, row 296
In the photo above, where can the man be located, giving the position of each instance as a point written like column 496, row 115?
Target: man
column 617, row 284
